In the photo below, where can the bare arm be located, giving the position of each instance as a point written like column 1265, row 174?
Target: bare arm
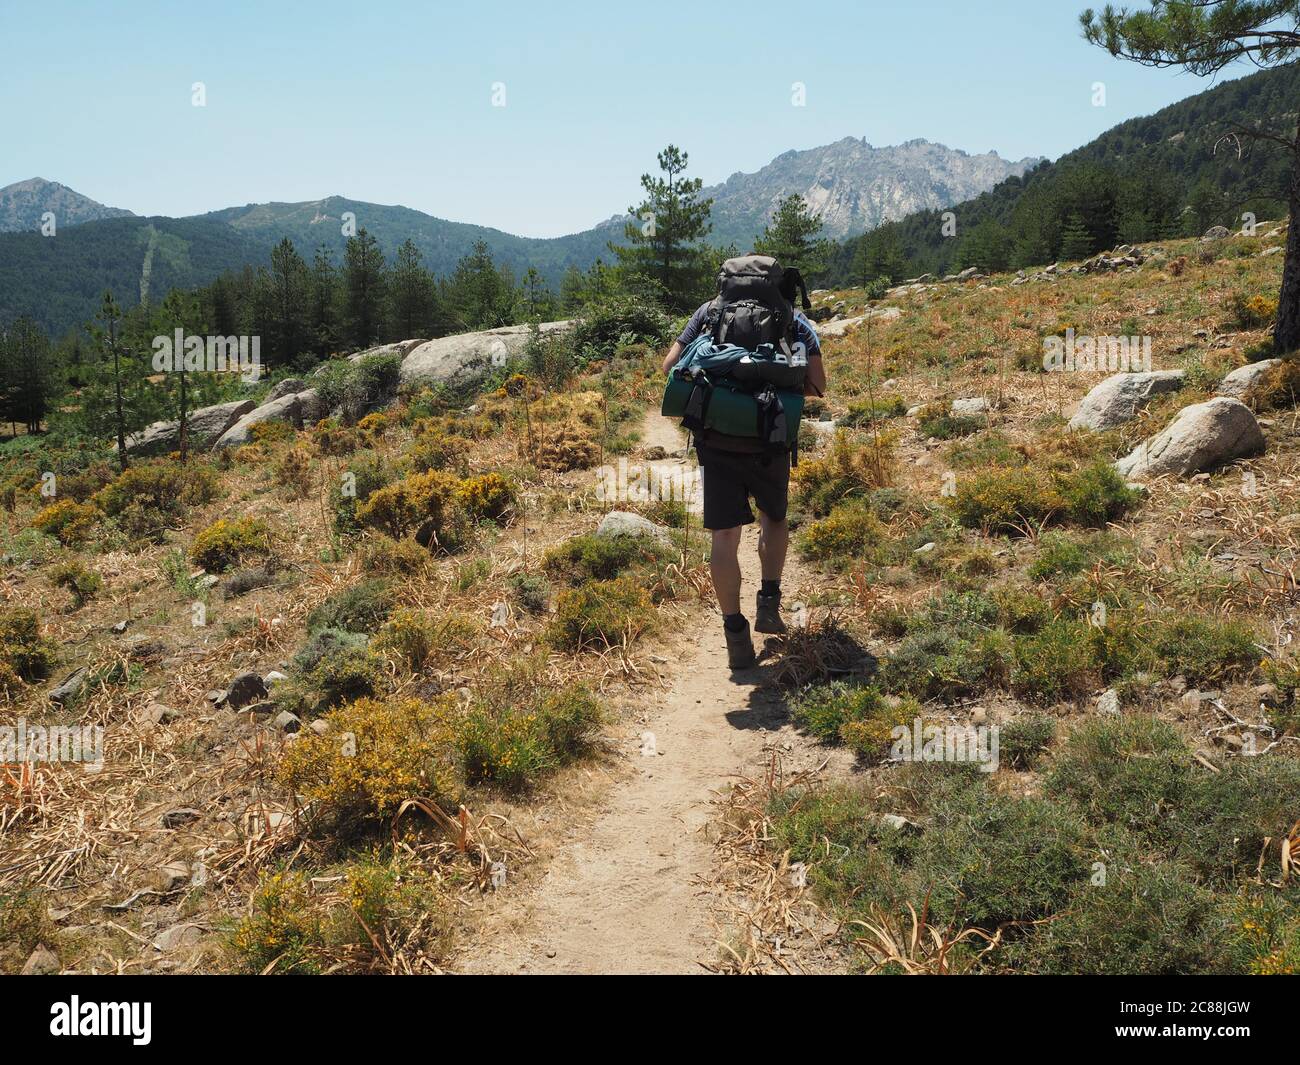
column 814, row 380
column 674, row 353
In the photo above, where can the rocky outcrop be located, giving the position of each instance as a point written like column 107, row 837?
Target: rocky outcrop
column 1120, row 397
column 285, row 409
column 1202, row 437
column 1244, row 378
column 468, row 357
column 202, row 429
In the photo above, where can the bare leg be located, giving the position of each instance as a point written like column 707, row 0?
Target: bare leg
column 724, row 565
column 773, row 541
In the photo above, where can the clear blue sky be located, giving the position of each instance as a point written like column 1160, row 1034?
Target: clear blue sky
column 392, row 102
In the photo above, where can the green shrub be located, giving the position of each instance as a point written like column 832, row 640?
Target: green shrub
column 531, row 591
column 1205, row 650
column 225, row 542
column 602, row 558
column 1128, row 771
column 600, row 614
column 1023, row 739
column 858, row 716
column 616, row 319
column 81, row 583
column 161, row 486
column 67, row 521
column 937, row 421
column 1016, row 501
column 421, row 641
column 867, row 412
column 984, row 451
column 1220, row 824
column 1143, row 921
column 325, row 642
column 357, row 608
column 851, row 532
column 1056, row 663
column 948, row 662
column 356, row 388
column 991, row 858
column 1063, row 554
column 25, row 655
column 511, row 742
column 243, row 581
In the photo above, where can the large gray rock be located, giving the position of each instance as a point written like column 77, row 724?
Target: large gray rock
column 202, row 428
column 969, row 408
column 845, row 325
column 625, row 523
column 1120, row 397
column 290, row 386
column 311, row 407
column 1244, row 378
column 1202, row 437
column 401, row 348
column 284, row 409
column 468, row 357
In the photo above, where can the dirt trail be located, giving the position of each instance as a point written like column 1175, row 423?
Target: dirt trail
column 627, row 895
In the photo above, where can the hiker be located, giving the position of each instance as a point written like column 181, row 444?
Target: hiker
column 754, row 311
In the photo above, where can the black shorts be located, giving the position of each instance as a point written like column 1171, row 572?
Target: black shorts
column 732, row 477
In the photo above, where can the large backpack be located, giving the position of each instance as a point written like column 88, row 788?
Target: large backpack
column 754, row 306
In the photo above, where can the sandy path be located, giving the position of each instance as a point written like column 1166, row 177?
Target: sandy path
column 627, row 894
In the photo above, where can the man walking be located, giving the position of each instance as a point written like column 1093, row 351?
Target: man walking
column 735, row 469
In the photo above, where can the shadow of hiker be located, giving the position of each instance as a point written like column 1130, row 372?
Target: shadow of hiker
column 788, row 663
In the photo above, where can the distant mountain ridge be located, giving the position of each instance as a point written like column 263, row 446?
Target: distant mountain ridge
column 850, row 183
column 853, row 186
column 24, row 204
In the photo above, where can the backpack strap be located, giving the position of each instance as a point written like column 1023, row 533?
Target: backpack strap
column 794, row 280
column 697, row 405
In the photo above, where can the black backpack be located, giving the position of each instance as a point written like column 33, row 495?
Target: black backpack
column 755, row 303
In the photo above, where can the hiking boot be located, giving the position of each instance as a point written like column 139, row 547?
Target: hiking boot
column 768, row 615
column 740, row 648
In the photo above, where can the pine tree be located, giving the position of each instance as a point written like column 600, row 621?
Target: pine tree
column 792, row 236
column 481, row 294
column 665, row 237
column 879, row 256
column 26, row 374
column 1076, row 241
column 537, row 300
column 363, row 282
column 412, row 295
column 324, row 318
column 290, row 286
column 109, row 316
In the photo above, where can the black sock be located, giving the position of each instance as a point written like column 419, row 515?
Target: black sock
column 733, row 622
column 770, row 587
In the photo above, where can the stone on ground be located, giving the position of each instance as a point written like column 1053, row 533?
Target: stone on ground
column 1202, row 437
